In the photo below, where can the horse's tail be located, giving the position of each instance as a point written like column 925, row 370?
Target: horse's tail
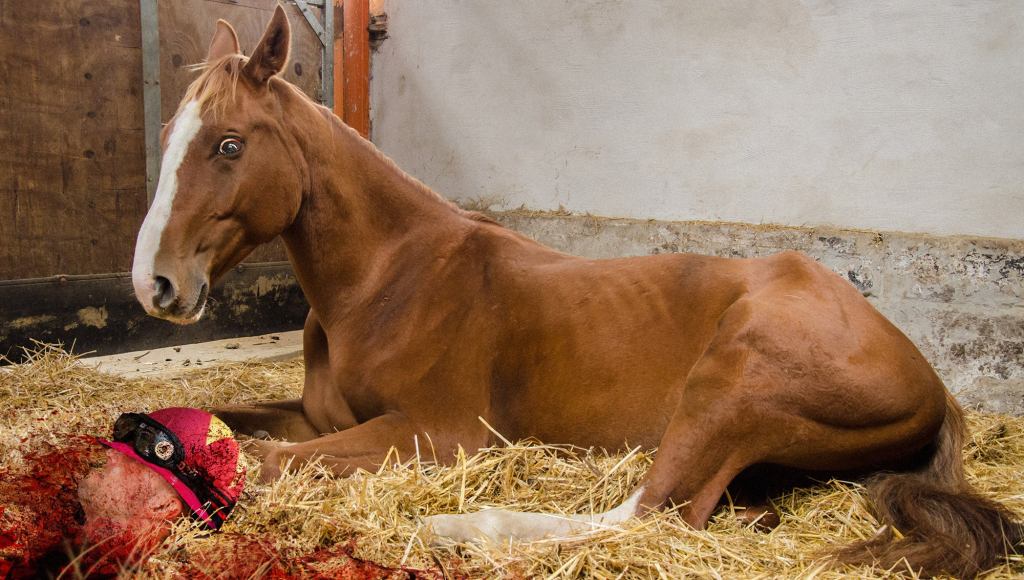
column 942, row 526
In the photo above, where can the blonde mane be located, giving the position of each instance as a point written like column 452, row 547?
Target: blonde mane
column 426, row 190
column 217, row 83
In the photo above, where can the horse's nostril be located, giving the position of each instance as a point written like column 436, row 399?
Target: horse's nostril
column 164, row 296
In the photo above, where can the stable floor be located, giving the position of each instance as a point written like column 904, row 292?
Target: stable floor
column 369, row 525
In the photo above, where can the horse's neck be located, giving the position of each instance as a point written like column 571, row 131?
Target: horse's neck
column 359, row 207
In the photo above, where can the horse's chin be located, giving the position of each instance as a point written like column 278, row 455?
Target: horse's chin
column 191, row 317
column 194, row 318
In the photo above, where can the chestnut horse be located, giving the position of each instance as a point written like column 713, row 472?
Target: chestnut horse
column 425, row 318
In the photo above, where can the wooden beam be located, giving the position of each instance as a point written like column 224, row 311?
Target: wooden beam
column 356, row 66
column 150, row 25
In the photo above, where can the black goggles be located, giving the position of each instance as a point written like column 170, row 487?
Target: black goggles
column 158, row 445
column 151, row 440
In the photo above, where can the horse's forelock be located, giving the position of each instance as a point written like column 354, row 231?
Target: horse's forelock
column 217, row 83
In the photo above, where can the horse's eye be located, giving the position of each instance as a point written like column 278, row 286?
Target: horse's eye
column 230, row 146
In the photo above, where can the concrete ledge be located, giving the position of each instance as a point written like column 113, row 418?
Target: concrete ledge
column 173, row 360
column 961, row 300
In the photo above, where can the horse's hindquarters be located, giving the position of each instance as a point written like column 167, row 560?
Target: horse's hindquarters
column 826, row 378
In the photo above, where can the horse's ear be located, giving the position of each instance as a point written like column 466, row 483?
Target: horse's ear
column 224, row 43
column 271, row 53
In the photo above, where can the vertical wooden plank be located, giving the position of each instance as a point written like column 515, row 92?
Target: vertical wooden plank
column 150, row 28
column 72, row 162
column 356, row 65
column 327, row 78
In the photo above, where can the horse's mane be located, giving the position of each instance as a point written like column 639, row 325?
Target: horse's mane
column 426, row 190
column 215, row 88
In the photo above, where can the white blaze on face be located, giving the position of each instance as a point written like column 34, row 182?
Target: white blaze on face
column 185, row 128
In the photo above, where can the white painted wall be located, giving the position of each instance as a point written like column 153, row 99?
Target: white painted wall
column 893, row 115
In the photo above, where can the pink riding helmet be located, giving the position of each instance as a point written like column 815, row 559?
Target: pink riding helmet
column 210, row 457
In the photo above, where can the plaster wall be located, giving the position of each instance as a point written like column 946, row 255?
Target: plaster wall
column 892, row 115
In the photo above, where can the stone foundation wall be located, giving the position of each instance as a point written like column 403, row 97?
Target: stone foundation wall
column 961, row 300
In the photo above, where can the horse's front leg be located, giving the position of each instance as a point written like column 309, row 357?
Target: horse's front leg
column 364, row 446
column 287, row 420
column 278, row 419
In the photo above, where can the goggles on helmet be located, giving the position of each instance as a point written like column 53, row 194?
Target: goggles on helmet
column 158, row 445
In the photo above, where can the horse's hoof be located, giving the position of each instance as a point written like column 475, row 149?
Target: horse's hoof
column 260, row 434
column 761, row 518
column 262, row 448
column 270, row 471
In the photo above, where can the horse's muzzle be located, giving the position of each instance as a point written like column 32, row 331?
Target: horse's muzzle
column 163, row 298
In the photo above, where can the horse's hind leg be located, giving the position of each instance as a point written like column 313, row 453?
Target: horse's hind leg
column 705, row 446
column 707, row 443
column 709, row 440
column 751, row 491
column 738, row 409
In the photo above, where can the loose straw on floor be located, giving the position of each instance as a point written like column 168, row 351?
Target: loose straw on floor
column 381, row 512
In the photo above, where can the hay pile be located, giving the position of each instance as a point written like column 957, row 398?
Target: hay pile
column 379, row 513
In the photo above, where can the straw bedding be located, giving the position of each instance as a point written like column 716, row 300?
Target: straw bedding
column 377, row 515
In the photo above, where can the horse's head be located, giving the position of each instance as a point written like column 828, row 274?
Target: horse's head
column 229, row 179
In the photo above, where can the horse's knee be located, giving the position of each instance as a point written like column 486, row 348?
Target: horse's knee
column 239, row 418
column 263, row 448
column 270, row 471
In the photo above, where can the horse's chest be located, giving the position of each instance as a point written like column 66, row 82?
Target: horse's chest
column 364, row 399
column 342, row 386
column 367, row 387
column 379, row 367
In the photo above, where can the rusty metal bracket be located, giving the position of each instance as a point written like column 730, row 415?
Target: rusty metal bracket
column 378, row 29
column 325, row 32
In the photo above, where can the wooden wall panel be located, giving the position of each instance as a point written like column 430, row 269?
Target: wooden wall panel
column 186, row 27
column 72, row 184
column 100, row 314
column 72, row 160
